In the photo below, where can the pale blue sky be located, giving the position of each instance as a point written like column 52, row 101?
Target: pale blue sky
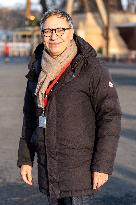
column 12, row 3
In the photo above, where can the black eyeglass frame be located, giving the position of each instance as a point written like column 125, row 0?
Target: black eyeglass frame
column 55, row 29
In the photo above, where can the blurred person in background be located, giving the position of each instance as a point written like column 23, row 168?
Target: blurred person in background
column 71, row 116
column 6, row 52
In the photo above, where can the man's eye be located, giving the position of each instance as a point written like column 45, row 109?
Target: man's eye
column 47, row 31
column 59, row 30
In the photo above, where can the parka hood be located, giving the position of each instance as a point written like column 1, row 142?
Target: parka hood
column 84, row 47
column 85, row 50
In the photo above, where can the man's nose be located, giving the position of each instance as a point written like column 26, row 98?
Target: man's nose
column 53, row 35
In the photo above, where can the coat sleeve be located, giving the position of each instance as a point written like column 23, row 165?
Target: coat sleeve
column 108, row 120
column 26, row 150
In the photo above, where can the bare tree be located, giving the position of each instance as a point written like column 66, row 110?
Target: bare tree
column 115, row 5
column 44, row 5
column 131, row 6
column 51, row 4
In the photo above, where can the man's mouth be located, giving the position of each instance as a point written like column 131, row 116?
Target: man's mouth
column 55, row 44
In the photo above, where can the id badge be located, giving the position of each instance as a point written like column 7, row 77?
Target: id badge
column 42, row 121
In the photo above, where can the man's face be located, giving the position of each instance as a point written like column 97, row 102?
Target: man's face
column 56, row 44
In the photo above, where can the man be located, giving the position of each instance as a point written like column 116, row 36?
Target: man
column 71, row 115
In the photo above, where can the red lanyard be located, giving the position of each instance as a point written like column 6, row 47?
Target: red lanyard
column 54, row 82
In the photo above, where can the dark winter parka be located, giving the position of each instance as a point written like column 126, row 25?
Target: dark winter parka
column 83, row 125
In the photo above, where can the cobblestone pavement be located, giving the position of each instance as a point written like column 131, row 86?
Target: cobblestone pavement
column 121, row 188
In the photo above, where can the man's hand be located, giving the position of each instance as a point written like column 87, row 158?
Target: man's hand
column 99, row 179
column 26, row 174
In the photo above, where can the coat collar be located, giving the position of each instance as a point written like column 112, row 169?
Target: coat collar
column 84, row 47
column 85, row 50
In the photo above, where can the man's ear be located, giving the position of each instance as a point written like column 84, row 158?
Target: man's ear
column 71, row 33
column 42, row 37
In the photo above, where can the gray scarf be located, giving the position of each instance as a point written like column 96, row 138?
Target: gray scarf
column 51, row 68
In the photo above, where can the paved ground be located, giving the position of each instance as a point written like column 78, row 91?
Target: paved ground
column 121, row 188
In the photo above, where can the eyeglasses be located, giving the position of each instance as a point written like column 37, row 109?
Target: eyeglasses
column 59, row 31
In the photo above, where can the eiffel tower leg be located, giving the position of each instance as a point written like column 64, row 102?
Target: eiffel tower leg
column 86, row 3
column 69, row 6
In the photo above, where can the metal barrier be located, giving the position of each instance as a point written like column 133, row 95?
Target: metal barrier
column 16, row 48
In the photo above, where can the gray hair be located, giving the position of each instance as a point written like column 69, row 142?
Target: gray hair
column 56, row 12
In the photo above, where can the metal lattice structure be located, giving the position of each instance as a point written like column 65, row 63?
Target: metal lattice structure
column 78, row 5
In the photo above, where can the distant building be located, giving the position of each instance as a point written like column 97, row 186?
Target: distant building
column 92, row 25
column 21, row 41
column 6, row 35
